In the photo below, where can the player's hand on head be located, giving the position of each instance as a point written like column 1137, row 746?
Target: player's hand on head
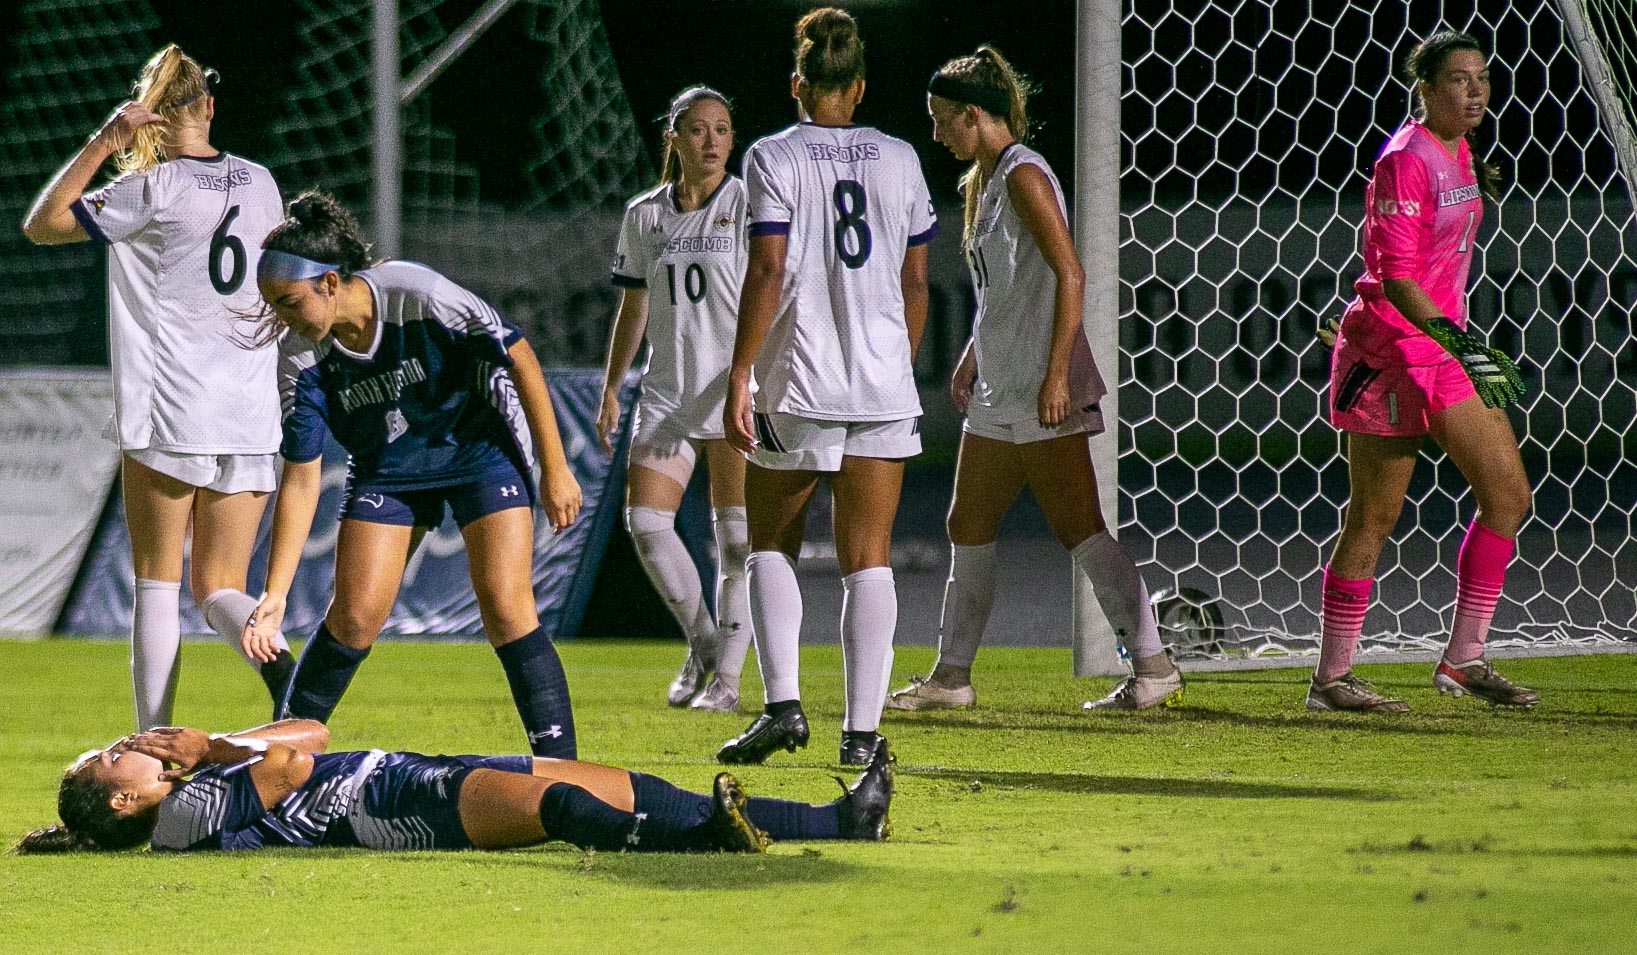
column 561, row 495
column 182, row 747
column 120, row 127
column 608, row 420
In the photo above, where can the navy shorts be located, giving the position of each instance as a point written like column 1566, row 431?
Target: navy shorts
column 501, row 488
column 411, row 801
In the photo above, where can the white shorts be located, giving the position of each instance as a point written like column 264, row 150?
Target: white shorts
column 222, row 473
column 787, row 442
column 1087, row 422
column 669, row 442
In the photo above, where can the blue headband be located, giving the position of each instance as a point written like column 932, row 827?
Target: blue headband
column 286, row 265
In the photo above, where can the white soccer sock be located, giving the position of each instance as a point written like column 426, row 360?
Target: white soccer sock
column 156, row 639
column 1121, row 593
column 968, row 596
column 732, row 599
column 227, row 611
column 775, row 619
column 671, row 569
column 869, row 618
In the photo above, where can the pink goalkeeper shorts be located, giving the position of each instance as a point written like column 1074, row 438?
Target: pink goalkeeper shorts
column 1377, row 394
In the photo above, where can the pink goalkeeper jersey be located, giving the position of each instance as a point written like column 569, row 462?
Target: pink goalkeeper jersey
column 1421, row 213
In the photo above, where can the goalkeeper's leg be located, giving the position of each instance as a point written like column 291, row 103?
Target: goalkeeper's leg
column 1482, row 444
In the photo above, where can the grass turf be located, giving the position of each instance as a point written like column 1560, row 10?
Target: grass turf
column 1236, row 823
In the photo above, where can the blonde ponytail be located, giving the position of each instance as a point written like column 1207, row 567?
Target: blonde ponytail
column 175, row 86
column 987, row 70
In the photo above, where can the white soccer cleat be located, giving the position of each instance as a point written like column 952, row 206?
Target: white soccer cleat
column 689, row 680
column 1141, row 692
column 718, row 696
column 923, row 694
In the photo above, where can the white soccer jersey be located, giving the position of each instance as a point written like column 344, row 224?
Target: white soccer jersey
column 1017, row 295
column 852, row 200
column 183, row 241
column 692, row 264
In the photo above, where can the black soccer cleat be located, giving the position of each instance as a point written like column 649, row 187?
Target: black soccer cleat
column 727, row 828
column 787, row 731
column 858, row 747
column 865, row 803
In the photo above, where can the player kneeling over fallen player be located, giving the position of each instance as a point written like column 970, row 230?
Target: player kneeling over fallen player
column 1029, row 388
column 439, row 404
column 275, row 786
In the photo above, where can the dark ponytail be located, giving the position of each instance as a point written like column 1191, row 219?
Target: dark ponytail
column 317, row 226
column 829, row 52
column 1422, row 66
column 89, row 822
column 987, row 69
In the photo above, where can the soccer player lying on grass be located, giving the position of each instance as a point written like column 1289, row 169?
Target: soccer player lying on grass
column 274, row 785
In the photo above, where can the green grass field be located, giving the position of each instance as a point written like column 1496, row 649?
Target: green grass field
column 1238, row 823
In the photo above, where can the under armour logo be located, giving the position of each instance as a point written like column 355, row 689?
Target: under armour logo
column 631, row 838
column 373, row 500
column 509, row 490
column 553, row 733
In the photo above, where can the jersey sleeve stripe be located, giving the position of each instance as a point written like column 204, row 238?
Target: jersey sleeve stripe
column 626, row 281
column 83, row 216
column 924, row 237
column 768, row 228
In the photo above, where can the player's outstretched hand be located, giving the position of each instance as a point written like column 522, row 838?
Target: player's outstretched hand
column 736, row 420
column 120, row 127
column 184, row 748
column 1328, row 330
column 608, row 420
column 261, row 631
column 1494, row 375
column 1052, row 404
column 561, row 494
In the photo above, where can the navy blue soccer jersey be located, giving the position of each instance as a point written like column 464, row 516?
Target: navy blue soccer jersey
column 429, row 404
column 219, row 808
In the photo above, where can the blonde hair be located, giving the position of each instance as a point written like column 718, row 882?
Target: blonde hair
column 987, row 68
column 670, row 166
column 176, row 87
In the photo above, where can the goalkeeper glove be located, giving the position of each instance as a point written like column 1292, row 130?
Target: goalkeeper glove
column 1494, row 376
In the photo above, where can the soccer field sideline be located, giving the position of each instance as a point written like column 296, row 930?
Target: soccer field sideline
column 1236, row 822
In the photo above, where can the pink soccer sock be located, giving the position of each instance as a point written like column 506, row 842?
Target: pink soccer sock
column 1342, row 603
column 1480, row 569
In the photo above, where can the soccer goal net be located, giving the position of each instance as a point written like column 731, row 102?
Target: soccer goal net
column 1248, row 131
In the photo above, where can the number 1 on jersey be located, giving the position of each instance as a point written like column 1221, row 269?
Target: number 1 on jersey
column 851, row 207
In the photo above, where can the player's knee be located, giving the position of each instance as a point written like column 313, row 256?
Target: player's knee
column 969, row 531
column 644, row 522
column 1504, row 508
column 354, row 628
column 733, row 547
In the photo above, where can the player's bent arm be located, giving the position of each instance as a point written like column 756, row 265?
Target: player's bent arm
column 912, row 275
column 307, row 736
column 561, row 491
column 281, row 771
column 50, row 220
column 1036, row 204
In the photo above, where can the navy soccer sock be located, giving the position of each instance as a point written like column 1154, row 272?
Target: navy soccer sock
column 322, row 676
column 785, row 819
column 540, row 690
column 667, row 819
column 276, row 674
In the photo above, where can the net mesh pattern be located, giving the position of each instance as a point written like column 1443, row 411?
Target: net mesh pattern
column 1248, row 131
